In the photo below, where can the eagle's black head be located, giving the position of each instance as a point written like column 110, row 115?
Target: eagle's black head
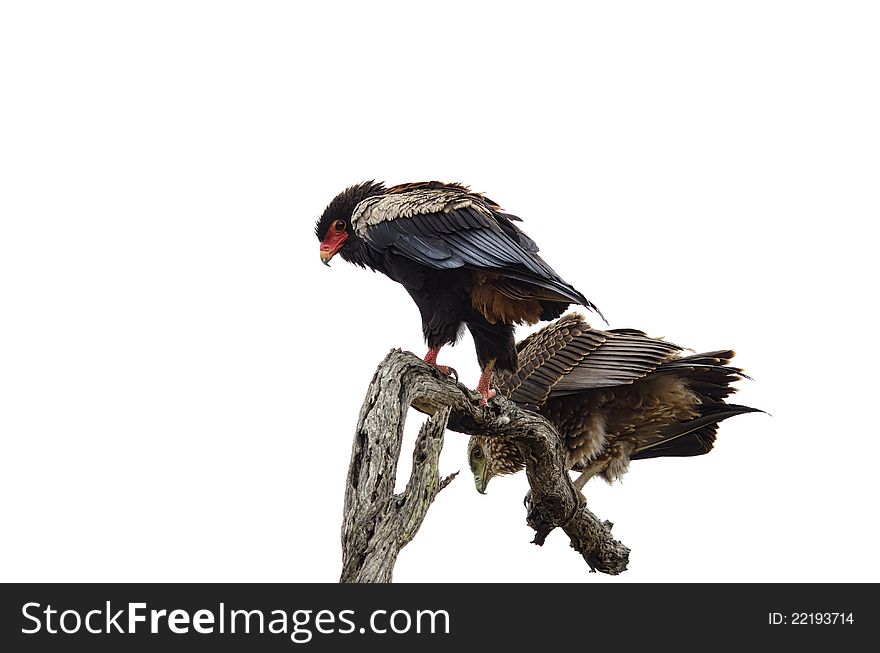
column 334, row 230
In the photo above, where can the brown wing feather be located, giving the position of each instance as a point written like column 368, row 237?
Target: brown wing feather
column 545, row 357
column 569, row 356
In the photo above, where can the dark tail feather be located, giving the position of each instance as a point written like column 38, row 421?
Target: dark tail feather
column 708, row 375
column 697, row 443
column 694, row 437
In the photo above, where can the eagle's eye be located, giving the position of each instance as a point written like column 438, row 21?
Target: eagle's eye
column 476, row 453
column 339, row 225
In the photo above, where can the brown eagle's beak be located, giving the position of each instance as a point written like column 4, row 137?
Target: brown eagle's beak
column 326, row 255
column 481, row 481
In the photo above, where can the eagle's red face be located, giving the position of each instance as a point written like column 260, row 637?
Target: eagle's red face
column 334, row 238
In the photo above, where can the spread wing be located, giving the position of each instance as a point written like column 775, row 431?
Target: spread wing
column 569, row 357
column 444, row 226
column 620, row 395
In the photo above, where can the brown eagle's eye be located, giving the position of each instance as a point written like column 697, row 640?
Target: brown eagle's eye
column 477, row 453
column 339, row 225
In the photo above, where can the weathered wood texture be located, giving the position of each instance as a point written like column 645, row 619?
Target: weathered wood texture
column 377, row 522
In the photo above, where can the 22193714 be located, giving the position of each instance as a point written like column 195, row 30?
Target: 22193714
column 809, row 618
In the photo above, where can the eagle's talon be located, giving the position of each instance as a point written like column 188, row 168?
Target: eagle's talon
column 446, row 370
column 431, row 359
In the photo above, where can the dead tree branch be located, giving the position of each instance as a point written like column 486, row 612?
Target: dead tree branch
column 377, row 523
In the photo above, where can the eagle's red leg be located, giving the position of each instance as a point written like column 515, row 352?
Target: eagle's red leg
column 431, row 359
column 484, row 383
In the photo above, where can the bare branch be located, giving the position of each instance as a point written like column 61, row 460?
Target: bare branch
column 377, row 523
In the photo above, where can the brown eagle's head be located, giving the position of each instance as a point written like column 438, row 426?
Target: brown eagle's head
column 489, row 457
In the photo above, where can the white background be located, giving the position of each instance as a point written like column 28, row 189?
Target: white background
column 180, row 376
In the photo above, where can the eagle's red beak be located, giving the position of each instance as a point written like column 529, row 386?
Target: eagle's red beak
column 331, row 244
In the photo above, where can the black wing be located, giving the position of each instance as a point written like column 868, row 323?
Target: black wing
column 448, row 227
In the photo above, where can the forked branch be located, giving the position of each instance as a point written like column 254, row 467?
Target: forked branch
column 377, row 523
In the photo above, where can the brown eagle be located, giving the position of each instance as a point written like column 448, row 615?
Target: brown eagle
column 614, row 396
column 460, row 257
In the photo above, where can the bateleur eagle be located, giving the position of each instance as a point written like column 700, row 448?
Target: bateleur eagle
column 614, row 396
column 460, row 257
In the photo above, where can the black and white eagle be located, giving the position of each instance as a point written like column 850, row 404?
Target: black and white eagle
column 460, row 257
